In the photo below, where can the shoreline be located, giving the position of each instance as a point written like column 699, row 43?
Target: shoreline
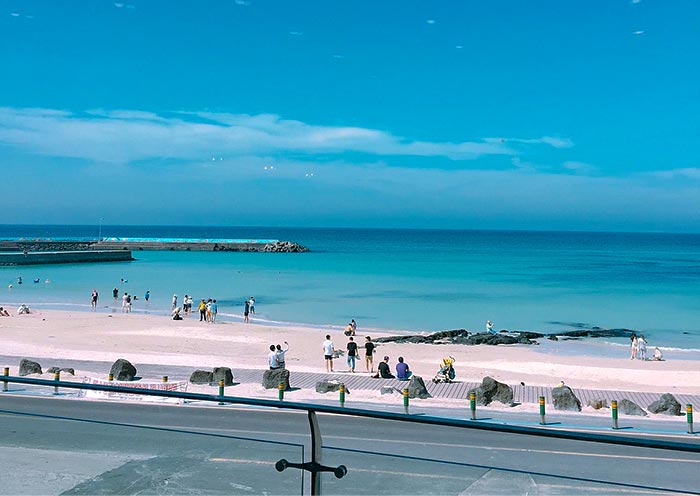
column 156, row 339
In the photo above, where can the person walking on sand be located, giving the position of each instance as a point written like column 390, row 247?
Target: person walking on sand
column 246, row 311
column 633, row 346
column 352, row 354
column 641, row 347
column 281, row 355
column 369, row 355
column 328, row 351
column 93, row 301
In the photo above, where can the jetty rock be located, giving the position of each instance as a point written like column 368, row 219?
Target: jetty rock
column 629, row 407
column 27, row 367
column 462, row 336
column 667, row 404
column 274, row 377
column 123, row 370
column 492, row 390
column 564, row 398
column 284, row 247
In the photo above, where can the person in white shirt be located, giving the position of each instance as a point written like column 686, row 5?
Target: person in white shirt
column 489, row 327
column 280, row 355
column 328, row 351
column 272, row 357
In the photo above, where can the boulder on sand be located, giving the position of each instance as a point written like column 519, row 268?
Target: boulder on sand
column 273, row 378
column 202, row 377
column 67, row 370
column 564, row 398
column 598, row 404
column 324, row 387
column 123, row 370
column 27, row 367
column 667, row 404
column 629, row 407
column 224, row 373
column 417, row 389
column 492, row 390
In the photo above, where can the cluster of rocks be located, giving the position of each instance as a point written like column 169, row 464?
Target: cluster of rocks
column 51, row 245
column 213, row 377
column 565, row 399
column 283, row 247
column 27, row 367
column 462, row 336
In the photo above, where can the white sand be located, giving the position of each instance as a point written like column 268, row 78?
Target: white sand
column 159, row 340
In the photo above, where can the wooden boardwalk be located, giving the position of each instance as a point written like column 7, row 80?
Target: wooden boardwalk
column 460, row 390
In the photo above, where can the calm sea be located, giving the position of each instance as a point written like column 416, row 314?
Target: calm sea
column 423, row 280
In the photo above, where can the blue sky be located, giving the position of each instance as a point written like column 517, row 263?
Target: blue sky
column 578, row 115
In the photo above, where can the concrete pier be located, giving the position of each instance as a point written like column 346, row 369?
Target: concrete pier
column 64, row 257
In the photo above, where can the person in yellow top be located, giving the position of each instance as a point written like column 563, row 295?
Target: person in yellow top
column 202, row 310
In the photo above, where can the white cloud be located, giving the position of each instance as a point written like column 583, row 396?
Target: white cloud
column 125, row 136
column 680, row 173
column 580, row 167
column 638, row 32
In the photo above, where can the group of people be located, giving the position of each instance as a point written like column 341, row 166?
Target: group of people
column 276, row 357
column 4, row 313
column 353, row 353
column 248, row 308
column 638, row 349
column 403, row 371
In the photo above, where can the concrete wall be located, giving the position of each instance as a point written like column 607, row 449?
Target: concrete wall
column 62, row 257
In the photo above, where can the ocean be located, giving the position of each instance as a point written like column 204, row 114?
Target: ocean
column 398, row 279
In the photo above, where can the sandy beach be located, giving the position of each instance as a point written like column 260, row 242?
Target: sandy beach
column 150, row 339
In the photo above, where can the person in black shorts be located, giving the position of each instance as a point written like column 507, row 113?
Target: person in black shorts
column 384, row 372
column 369, row 355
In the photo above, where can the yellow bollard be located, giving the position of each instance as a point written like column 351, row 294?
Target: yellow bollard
column 614, row 413
column 165, row 378
column 341, row 390
column 56, row 377
column 542, row 421
column 405, row 401
column 110, row 377
column 5, row 372
column 689, row 417
column 221, row 391
column 472, row 404
column 280, row 388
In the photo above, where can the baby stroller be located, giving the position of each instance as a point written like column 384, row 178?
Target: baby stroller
column 446, row 372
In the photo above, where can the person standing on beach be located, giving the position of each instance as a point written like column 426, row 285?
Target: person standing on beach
column 214, row 310
column 352, row 354
column 641, row 347
column 202, row 310
column 246, row 310
column 124, row 302
column 633, row 346
column 174, row 301
column 93, row 302
column 115, row 293
column 251, row 302
column 208, row 313
column 369, row 355
column 328, row 351
column 146, row 296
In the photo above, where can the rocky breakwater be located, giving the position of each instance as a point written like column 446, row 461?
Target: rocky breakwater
column 284, row 247
column 462, row 336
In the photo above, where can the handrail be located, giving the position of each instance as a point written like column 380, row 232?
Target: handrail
column 357, row 412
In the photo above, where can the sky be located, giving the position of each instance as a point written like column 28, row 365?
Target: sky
column 561, row 115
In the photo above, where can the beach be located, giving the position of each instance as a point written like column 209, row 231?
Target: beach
column 156, row 339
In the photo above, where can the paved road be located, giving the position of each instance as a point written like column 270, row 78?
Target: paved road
column 63, row 446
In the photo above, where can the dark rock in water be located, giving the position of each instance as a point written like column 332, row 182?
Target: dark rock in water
column 667, row 404
column 387, row 390
column 564, row 398
column 629, row 407
column 27, row 367
column 598, row 404
column 273, row 378
column 67, row 370
column 461, row 336
column 552, row 337
column 329, row 387
column 202, row 377
column 224, row 373
column 492, row 339
column 597, row 332
column 123, row 370
column 529, row 334
column 492, row 390
column 417, row 389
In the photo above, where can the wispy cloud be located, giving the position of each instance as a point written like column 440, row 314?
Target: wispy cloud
column 680, row 173
column 552, row 141
column 127, row 136
column 580, row 167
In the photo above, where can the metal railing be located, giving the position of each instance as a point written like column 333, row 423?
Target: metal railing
column 314, row 465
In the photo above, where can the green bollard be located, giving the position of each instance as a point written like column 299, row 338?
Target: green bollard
column 542, row 421
column 472, row 404
column 281, row 391
column 5, row 372
column 221, row 391
column 405, row 401
column 614, row 414
column 110, row 377
column 689, row 417
column 341, row 391
column 56, row 377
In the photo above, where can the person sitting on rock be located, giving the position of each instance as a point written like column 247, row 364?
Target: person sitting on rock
column 383, row 370
column 402, row 371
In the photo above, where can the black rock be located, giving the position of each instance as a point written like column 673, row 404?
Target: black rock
column 667, row 404
column 224, row 373
column 202, row 377
column 492, row 390
column 629, row 407
column 417, row 389
column 27, row 367
column 273, row 378
column 67, row 370
column 123, row 370
column 491, row 339
column 329, row 387
column 552, row 337
column 387, row 390
column 564, row 398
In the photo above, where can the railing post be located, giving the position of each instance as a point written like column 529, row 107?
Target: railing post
column 221, row 391
column 110, row 377
column 280, row 388
column 472, row 404
column 614, row 414
column 689, row 417
column 316, row 452
column 341, row 391
column 5, row 372
column 542, row 421
column 405, row 401
column 165, row 378
column 56, row 377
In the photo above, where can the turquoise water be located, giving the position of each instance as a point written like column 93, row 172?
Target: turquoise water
column 400, row 279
